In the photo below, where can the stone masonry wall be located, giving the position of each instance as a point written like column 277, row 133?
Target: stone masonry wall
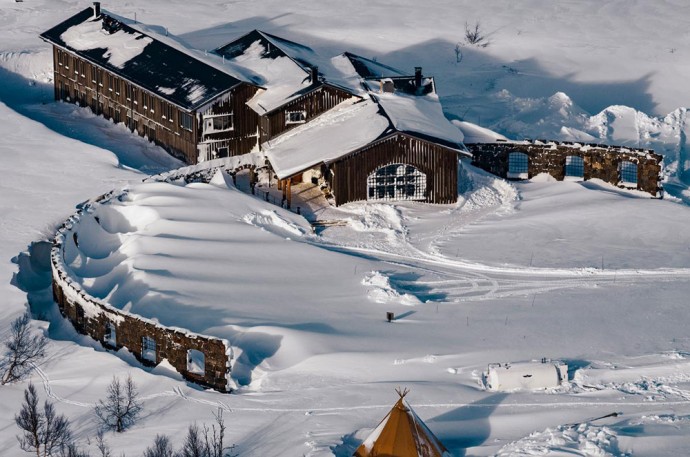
column 91, row 316
column 600, row 161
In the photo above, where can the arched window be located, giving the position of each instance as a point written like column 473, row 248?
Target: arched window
column 574, row 167
column 518, row 165
column 196, row 362
column 396, row 182
column 628, row 173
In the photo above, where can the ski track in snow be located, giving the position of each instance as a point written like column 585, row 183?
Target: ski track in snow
column 179, row 393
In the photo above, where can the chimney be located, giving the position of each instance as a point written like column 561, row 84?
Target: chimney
column 96, row 9
column 417, row 77
column 314, row 74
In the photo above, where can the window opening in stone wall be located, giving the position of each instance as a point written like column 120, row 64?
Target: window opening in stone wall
column 110, row 336
column 518, row 165
column 196, row 362
column 396, row 182
column 628, row 172
column 148, row 349
column 574, row 166
column 295, row 117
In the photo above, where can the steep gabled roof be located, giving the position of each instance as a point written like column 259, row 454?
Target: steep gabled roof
column 303, row 56
column 343, row 129
column 282, row 67
column 368, row 68
column 347, row 129
column 112, row 43
column 420, row 116
column 401, row 434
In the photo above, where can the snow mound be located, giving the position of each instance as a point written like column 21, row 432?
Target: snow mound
column 583, row 440
column 480, row 190
column 383, row 292
column 271, row 221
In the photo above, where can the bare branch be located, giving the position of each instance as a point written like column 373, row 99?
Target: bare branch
column 22, row 350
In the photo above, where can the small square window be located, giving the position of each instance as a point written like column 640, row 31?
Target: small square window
column 295, row 117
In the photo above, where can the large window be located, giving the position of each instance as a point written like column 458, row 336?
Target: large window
column 396, row 182
column 518, row 165
column 218, row 123
column 295, row 117
column 574, row 167
column 148, row 349
column 628, row 173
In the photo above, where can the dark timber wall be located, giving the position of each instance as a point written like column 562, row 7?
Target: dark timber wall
column 244, row 135
column 348, row 175
column 600, row 161
column 79, row 81
column 315, row 102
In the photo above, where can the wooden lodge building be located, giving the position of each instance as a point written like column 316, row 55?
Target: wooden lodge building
column 248, row 93
column 159, row 91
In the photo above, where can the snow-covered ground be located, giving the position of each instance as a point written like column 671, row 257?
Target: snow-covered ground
column 582, row 272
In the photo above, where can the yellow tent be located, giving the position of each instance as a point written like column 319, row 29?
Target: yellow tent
column 401, row 434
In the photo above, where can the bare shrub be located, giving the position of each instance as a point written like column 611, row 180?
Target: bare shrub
column 475, row 36
column 161, row 448
column 22, row 350
column 121, row 408
column 45, row 432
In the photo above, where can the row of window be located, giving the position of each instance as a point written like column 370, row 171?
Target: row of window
column 518, row 167
column 196, row 360
column 134, row 95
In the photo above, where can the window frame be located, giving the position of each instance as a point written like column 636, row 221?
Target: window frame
column 518, row 165
column 213, row 117
column 289, row 120
column 184, row 117
column 625, row 168
column 149, row 349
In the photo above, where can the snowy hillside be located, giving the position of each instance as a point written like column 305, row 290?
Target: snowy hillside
column 582, row 272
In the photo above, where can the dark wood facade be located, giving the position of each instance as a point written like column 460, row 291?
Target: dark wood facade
column 315, row 102
column 244, row 134
column 79, row 81
column 599, row 161
column 347, row 176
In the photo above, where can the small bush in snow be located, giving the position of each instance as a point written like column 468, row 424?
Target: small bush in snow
column 22, row 350
column 44, row 432
column 161, row 448
column 121, row 408
column 475, row 36
column 207, row 442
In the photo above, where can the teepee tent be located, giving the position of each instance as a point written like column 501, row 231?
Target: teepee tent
column 401, row 434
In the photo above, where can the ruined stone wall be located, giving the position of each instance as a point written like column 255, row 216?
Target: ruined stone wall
column 91, row 316
column 600, row 161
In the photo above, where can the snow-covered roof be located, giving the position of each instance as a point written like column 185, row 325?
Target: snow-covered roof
column 168, row 71
column 284, row 69
column 420, row 116
column 332, row 135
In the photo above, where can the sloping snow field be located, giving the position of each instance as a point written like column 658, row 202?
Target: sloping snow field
column 582, row 272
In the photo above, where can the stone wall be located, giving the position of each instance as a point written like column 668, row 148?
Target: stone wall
column 91, row 316
column 600, row 161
